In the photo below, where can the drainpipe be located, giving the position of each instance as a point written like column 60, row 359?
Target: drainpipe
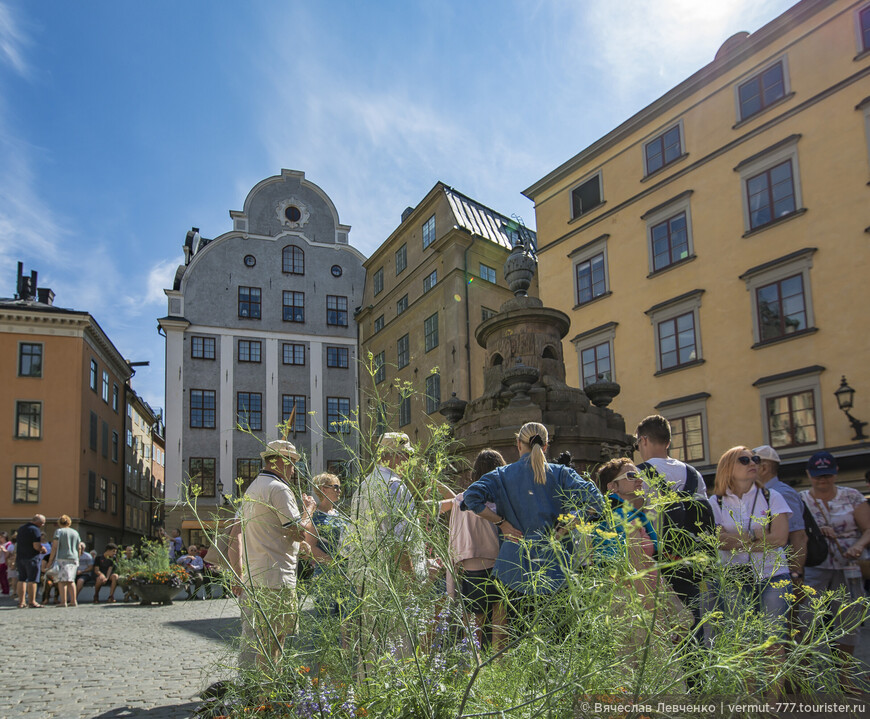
column 467, row 322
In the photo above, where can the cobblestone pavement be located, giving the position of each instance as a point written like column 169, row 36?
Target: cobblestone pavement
column 113, row 661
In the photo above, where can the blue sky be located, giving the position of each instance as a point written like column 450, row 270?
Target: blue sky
column 123, row 124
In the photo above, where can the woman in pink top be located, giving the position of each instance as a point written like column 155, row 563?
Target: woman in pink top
column 474, row 546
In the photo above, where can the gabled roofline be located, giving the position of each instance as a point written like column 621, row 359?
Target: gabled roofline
column 719, row 66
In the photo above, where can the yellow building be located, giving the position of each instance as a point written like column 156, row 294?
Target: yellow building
column 428, row 287
column 711, row 250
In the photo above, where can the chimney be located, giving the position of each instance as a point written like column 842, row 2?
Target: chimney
column 45, row 295
column 406, row 212
column 26, row 285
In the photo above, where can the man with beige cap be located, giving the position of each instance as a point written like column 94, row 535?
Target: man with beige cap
column 797, row 535
column 263, row 552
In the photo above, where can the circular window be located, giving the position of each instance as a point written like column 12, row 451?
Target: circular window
column 250, row 260
column 336, row 271
column 293, row 214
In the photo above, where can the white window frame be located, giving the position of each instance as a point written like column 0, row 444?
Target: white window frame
column 587, row 340
column 378, row 281
column 402, row 253
column 489, row 271
column 679, row 125
column 600, row 175
column 859, row 40
column 785, row 267
column 679, row 409
column 430, row 280
column 786, row 150
column 584, row 253
column 431, row 233
column 865, row 108
column 671, row 208
column 792, row 385
column 672, row 309
column 786, row 87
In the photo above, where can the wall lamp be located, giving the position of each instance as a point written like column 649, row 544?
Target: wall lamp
column 845, row 396
column 225, row 500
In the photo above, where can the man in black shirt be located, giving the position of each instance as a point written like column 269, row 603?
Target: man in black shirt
column 104, row 570
column 28, row 551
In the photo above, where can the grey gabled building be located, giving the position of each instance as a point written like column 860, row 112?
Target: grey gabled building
column 260, row 321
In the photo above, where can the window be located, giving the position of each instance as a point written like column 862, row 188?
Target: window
column 105, row 443
column 114, row 497
column 202, row 408
column 294, row 306
column 249, row 410
column 92, row 434
column 669, row 232
column 791, row 420
column 26, row 483
column 429, row 232
column 590, row 270
column 595, row 364
column 336, row 310
column 288, row 402
column 28, row 420
column 433, row 393
column 104, row 493
column 338, row 414
column 402, row 305
column 129, row 438
column 430, row 332
column 249, row 302
column 864, row 29
column 381, row 419
column 380, row 367
column 246, row 471
column 591, row 279
column 29, row 359
column 379, row 324
column 293, row 260
column 663, row 150
column 93, row 375
column 761, row 91
column 378, row 280
column 586, row 196
column 401, row 259
column 687, row 438
column 402, row 356
column 202, row 475
column 93, row 501
column 105, row 387
column 487, row 273
column 249, row 350
column 115, row 397
column 294, row 353
column 486, row 313
column 430, row 281
column 115, row 443
column 405, row 411
column 202, row 348
column 678, row 342
column 337, row 357
column 771, row 185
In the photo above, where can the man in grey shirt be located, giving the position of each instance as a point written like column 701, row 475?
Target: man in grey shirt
column 797, row 535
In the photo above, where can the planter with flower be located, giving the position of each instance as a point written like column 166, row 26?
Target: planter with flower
column 151, row 576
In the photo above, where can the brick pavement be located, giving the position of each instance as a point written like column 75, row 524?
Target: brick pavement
column 151, row 661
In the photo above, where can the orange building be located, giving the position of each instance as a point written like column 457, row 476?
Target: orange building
column 62, row 426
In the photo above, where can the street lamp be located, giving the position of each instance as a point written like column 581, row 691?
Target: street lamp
column 845, row 397
column 220, row 488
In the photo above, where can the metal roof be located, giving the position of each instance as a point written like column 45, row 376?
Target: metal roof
column 482, row 221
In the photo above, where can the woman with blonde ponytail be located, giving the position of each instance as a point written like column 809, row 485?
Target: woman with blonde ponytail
column 530, row 494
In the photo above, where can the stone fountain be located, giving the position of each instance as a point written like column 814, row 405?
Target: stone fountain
column 524, row 381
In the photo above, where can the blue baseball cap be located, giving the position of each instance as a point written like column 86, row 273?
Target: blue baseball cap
column 821, row 463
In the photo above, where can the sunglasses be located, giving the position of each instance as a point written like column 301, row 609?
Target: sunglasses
column 744, row 460
column 336, row 487
column 629, row 476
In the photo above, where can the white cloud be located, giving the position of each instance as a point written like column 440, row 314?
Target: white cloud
column 160, row 277
column 12, row 41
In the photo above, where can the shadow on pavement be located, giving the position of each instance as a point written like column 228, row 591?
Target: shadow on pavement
column 224, row 628
column 177, row 711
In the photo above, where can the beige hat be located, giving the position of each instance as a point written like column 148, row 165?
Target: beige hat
column 394, row 443
column 765, row 451
column 280, row 448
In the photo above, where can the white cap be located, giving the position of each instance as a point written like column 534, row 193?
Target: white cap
column 395, row 442
column 280, row 448
column 765, row 451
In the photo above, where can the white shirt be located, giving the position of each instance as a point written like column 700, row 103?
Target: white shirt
column 737, row 514
column 675, row 473
column 268, row 556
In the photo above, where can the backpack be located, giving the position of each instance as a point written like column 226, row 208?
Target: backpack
column 685, row 519
column 817, row 545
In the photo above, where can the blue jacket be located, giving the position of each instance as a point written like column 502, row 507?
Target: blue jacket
column 535, row 566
